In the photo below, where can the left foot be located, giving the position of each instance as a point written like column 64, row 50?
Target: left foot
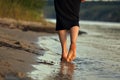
column 64, row 57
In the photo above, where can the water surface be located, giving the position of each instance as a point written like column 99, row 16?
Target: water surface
column 98, row 55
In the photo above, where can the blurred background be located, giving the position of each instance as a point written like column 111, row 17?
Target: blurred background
column 95, row 10
column 29, row 10
column 37, row 10
column 28, row 38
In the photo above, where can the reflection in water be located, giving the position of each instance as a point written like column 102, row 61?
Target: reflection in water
column 66, row 71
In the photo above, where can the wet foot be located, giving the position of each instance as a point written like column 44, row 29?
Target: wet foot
column 72, row 53
column 64, row 57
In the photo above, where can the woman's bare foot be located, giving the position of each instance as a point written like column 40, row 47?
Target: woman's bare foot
column 64, row 56
column 72, row 53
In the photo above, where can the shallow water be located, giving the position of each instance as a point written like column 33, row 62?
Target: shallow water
column 98, row 55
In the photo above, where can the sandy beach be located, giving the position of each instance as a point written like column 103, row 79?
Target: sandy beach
column 18, row 49
column 34, row 54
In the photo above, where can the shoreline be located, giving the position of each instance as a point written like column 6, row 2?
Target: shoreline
column 30, row 55
column 98, row 23
column 18, row 48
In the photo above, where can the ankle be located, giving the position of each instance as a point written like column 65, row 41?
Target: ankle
column 73, row 46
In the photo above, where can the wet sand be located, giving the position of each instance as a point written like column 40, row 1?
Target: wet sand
column 98, row 55
column 18, row 49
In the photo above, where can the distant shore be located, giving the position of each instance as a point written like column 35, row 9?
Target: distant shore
column 107, row 11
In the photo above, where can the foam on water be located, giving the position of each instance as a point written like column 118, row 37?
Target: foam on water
column 110, row 24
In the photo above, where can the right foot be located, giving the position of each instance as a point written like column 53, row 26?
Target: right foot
column 72, row 53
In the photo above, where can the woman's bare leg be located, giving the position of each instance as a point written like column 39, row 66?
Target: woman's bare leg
column 72, row 50
column 63, row 40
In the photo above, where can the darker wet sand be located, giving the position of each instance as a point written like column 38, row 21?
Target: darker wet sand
column 17, row 48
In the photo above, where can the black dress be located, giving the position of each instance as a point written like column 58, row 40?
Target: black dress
column 67, row 13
